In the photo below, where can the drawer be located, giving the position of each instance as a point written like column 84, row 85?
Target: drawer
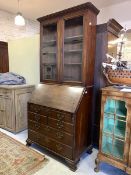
column 38, row 109
column 51, row 132
column 66, row 117
column 51, row 144
column 37, row 118
column 61, row 125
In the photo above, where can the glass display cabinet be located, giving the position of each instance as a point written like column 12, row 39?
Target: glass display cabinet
column 115, row 128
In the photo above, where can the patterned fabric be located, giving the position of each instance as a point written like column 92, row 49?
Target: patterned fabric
column 17, row 159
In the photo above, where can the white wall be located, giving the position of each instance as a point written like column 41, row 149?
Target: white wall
column 121, row 12
column 24, row 58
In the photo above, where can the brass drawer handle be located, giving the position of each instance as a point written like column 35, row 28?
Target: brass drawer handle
column 58, row 147
column 47, row 128
column 37, row 118
column 60, row 116
column 59, row 135
column 37, row 126
column 60, row 125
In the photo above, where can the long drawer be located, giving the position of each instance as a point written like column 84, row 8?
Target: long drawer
column 51, row 144
column 51, row 132
column 58, row 124
column 45, row 111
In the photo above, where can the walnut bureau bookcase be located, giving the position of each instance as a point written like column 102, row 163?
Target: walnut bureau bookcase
column 59, row 112
column 115, row 129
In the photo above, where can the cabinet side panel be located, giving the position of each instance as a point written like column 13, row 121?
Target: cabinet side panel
column 83, row 124
column 89, row 47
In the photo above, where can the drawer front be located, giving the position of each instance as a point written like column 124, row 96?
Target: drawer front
column 38, row 109
column 51, row 144
column 61, row 125
column 58, row 135
column 64, row 116
column 37, row 118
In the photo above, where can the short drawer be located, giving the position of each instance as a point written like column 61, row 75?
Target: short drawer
column 37, row 118
column 66, row 117
column 38, row 109
column 51, row 144
column 61, row 125
column 51, row 132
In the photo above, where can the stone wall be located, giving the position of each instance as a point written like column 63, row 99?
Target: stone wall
column 9, row 31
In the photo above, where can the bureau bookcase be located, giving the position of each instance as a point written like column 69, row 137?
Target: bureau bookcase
column 59, row 111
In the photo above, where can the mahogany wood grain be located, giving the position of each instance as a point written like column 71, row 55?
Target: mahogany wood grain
column 4, row 60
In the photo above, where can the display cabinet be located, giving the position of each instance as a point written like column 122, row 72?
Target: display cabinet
column 115, row 129
column 106, row 34
column 68, row 45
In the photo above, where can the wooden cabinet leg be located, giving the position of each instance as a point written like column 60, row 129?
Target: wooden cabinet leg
column 28, row 142
column 97, row 162
column 71, row 165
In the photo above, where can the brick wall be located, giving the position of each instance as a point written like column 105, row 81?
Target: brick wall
column 9, row 31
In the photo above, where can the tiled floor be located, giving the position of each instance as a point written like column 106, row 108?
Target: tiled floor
column 85, row 167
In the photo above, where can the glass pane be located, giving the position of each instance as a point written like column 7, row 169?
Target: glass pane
column 120, row 128
column 118, row 148
column 107, row 144
column 108, row 124
column 120, row 108
column 73, row 44
column 109, row 106
column 49, row 65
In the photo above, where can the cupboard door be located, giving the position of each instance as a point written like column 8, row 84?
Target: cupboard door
column 9, row 116
column 49, row 52
column 2, row 112
column 114, row 129
column 73, row 45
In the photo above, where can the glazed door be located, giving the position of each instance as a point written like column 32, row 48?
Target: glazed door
column 49, row 51
column 114, row 130
column 73, row 49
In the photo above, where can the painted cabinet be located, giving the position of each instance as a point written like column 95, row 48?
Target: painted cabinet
column 13, row 106
column 115, row 129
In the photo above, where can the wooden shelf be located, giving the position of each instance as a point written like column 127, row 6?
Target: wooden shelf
column 73, row 51
column 76, row 39
column 49, row 43
column 47, row 53
column 72, row 63
column 49, row 64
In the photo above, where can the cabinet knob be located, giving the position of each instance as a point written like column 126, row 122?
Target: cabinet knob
column 59, row 135
column 37, row 126
column 59, row 147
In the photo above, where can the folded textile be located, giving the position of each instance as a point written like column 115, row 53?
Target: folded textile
column 10, row 78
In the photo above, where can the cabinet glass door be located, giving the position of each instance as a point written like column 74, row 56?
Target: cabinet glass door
column 114, row 128
column 49, row 52
column 73, row 44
